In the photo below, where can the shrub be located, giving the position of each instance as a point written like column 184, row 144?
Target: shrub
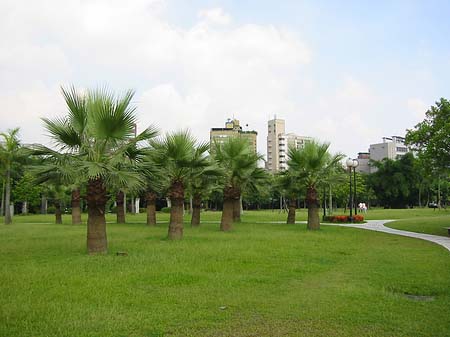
column 358, row 218
column 344, row 218
column 165, row 209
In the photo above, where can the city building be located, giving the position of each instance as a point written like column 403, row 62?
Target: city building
column 391, row 148
column 363, row 162
column 232, row 129
column 278, row 144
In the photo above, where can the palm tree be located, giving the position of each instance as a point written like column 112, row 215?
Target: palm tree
column 289, row 184
column 239, row 164
column 58, row 170
column 10, row 153
column 179, row 155
column 95, row 135
column 200, row 185
column 313, row 165
column 156, row 181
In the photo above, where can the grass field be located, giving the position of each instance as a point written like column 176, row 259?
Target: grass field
column 262, row 279
column 430, row 225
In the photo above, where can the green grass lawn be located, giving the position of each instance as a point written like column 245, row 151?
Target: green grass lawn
column 262, row 279
column 428, row 225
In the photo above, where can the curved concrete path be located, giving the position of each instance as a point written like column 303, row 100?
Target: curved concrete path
column 378, row 225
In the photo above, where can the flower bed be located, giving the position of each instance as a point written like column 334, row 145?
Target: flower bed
column 344, row 218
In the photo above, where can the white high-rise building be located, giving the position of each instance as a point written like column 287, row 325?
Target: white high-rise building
column 278, row 144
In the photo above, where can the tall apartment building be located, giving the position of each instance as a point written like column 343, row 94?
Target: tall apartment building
column 391, row 148
column 278, row 144
column 232, row 129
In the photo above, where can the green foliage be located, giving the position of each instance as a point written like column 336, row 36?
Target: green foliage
column 239, row 164
column 25, row 189
column 165, row 210
column 395, row 182
column 180, row 157
column 95, row 138
column 313, row 165
column 430, row 138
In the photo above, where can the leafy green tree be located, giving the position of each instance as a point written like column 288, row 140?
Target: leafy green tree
column 395, row 182
column 314, row 166
column 94, row 136
column 179, row 155
column 430, row 138
column 11, row 152
column 239, row 164
column 26, row 191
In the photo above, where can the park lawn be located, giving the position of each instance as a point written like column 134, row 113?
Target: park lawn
column 261, row 279
column 428, row 225
column 393, row 214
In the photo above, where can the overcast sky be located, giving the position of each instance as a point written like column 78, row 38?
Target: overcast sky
column 347, row 72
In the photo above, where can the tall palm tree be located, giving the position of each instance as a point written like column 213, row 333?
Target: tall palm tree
column 179, row 155
column 313, row 165
column 95, row 135
column 239, row 164
column 10, row 153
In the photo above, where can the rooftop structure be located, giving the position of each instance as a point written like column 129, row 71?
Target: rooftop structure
column 232, row 129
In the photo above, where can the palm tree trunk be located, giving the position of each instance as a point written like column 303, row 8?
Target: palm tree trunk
column 43, row 204
column 176, row 195
column 237, row 210
column 8, row 219
column 76, row 206
column 96, row 224
column 120, row 209
column 227, row 215
column 151, row 208
column 58, row 213
column 313, row 208
column 291, row 213
column 196, row 205
column 2, row 209
column 230, row 195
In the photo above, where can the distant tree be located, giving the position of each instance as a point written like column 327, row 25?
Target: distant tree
column 291, row 186
column 314, row 166
column 201, row 185
column 26, row 191
column 178, row 154
column 395, row 182
column 430, row 138
column 240, row 167
column 11, row 152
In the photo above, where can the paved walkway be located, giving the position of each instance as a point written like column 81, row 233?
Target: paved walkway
column 378, row 225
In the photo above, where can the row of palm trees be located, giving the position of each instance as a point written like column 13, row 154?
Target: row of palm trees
column 96, row 147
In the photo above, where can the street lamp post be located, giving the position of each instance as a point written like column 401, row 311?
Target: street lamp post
column 349, row 164
column 352, row 164
column 355, row 165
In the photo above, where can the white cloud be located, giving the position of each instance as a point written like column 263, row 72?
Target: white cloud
column 185, row 77
column 215, row 16
column 192, row 77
